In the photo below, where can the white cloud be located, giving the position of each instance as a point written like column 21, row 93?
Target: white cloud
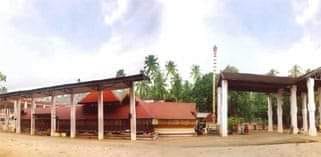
column 307, row 10
column 114, row 10
column 185, row 35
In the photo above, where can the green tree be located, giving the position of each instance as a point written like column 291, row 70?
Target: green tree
column 295, row 71
column 143, row 89
column 120, row 73
column 151, row 67
column 3, row 78
column 176, row 90
column 171, row 69
column 272, row 72
column 202, row 93
column 196, row 72
column 187, row 92
column 159, row 91
column 231, row 69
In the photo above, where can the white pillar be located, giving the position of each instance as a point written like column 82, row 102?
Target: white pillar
column 72, row 116
column 15, row 113
column 32, row 116
column 132, row 113
column 100, row 114
column 18, row 116
column 270, row 114
column 53, row 116
column 224, row 108
column 311, row 107
column 218, row 111
column 7, row 119
column 25, row 105
column 319, row 97
column 279, row 99
column 294, row 109
column 304, row 112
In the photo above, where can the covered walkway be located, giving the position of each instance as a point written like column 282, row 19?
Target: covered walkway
column 304, row 86
column 17, row 98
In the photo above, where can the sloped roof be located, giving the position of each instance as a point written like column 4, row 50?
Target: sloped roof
column 92, row 97
column 265, row 83
column 170, row 110
column 79, row 87
column 157, row 110
column 255, row 82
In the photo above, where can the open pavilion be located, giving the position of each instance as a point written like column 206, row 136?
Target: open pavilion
column 72, row 89
column 304, row 86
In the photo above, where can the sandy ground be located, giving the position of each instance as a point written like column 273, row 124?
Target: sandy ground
column 256, row 144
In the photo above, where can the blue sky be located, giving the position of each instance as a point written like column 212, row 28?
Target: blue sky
column 50, row 42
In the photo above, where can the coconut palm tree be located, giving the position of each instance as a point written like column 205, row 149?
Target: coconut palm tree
column 196, row 72
column 295, row 71
column 120, row 73
column 143, row 89
column 151, row 66
column 170, row 68
column 272, row 72
column 231, row 69
column 159, row 91
column 3, row 78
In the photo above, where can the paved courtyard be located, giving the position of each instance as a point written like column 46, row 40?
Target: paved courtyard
column 255, row 144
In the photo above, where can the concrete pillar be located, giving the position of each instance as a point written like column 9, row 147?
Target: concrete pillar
column 32, row 117
column 132, row 113
column 319, row 97
column 294, row 109
column 100, row 114
column 270, row 114
column 18, row 116
column 311, row 107
column 7, row 119
column 224, row 108
column 53, row 116
column 72, row 116
column 304, row 112
column 219, row 100
column 279, row 99
column 15, row 113
column 25, row 106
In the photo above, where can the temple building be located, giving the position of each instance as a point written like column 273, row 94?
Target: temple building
column 153, row 118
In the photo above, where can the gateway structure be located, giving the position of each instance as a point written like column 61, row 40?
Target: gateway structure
column 304, row 86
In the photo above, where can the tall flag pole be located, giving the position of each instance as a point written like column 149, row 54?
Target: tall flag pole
column 214, row 79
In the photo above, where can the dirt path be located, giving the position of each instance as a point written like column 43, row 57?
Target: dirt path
column 12, row 145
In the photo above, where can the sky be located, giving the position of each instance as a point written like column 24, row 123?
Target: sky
column 45, row 42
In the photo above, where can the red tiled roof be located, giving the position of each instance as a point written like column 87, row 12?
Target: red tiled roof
column 170, row 110
column 157, row 110
column 92, row 97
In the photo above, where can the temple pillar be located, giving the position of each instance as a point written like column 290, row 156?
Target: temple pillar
column 294, row 109
column 53, row 116
column 132, row 113
column 7, row 119
column 100, row 114
column 32, row 116
column 311, row 107
column 72, row 116
column 18, row 116
column 218, row 112
column 319, row 97
column 25, row 106
column 270, row 114
column 279, row 99
column 304, row 112
column 224, row 109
